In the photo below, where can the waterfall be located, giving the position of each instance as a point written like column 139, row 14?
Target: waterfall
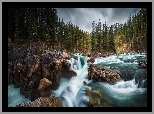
column 79, row 63
column 75, row 88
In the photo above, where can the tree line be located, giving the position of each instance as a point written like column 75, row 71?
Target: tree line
column 43, row 24
column 132, row 36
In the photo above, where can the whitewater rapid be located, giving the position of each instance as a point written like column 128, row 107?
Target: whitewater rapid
column 74, row 93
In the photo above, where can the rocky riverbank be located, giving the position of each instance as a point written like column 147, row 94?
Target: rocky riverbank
column 37, row 72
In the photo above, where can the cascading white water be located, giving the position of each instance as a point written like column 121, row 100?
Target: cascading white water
column 71, row 94
column 79, row 62
column 124, row 93
column 74, row 94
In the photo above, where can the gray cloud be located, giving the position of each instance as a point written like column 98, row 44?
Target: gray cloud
column 83, row 17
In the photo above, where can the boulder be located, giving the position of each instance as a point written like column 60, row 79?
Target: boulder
column 66, row 70
column 45, row 87
column 101, row 74
column 91, row 60
column 143, row 64
column 84, row 82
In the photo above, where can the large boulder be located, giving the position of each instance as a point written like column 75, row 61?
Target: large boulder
column 101, row 74
column 42, row 102
column 45, row 87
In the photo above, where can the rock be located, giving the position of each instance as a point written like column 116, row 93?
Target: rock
column 91, row 60
column 72, row 73
column 17, row 74
column 50, row 102
column 66, row 64
column 24, row 81
column 10, row 73
column 67, row 72
column 55, row 73
column 84, row 83
column 45, row 87
column 89, row 54
column 28, row 64
column 96, row 99
column 101, row 74
column 143, row 64
column 88, row 104
column 42, row 102
column 65, row 55
column 35, row 75
column 124, row 75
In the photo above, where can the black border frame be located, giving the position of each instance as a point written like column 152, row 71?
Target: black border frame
column 6, row 5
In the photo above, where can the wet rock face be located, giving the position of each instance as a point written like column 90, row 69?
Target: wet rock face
column 34, row 75
column 42, row 102
column 19, row 72
column 51, row 72
column 101, row 74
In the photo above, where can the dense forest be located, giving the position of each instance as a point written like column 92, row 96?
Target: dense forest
column 43, row 24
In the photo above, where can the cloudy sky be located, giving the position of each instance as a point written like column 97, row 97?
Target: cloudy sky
column 83, row 17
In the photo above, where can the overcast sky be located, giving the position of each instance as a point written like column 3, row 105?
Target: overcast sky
column 83, row 17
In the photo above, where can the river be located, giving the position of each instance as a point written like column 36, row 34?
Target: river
column 72, row 92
